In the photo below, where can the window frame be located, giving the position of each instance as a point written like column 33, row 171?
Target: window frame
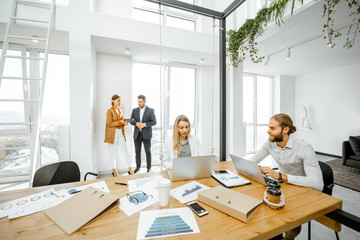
column 166, row 96
column 26, row 92
column 34, row 72
column 166, row 11
column 255, row 123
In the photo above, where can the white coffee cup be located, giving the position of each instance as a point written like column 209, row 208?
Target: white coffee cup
column 164, row 186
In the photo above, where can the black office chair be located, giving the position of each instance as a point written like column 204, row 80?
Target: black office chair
column 56, row 173
column 328, row 178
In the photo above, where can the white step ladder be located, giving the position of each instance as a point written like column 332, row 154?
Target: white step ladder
column 33, row 115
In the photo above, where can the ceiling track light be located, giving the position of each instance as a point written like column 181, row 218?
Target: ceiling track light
column 127, row 51
column 266, row 61
column 288, row 53
column 35, row 40
column 329, row 44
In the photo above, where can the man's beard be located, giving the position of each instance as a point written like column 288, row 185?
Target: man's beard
column 278, row 138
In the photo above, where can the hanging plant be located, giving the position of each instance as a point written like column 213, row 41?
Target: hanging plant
column 329, row 11
column 243, row 41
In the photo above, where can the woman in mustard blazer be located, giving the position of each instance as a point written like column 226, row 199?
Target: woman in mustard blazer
column 115, row 135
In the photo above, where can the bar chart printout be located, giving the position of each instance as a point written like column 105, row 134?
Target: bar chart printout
column 167, row 222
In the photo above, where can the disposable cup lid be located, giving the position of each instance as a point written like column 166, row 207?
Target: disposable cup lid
column 164, row 182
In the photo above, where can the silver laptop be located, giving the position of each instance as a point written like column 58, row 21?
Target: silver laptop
column 191, row 168
column 249, row 169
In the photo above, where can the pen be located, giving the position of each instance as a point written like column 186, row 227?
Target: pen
column 55, row 194
column 75, row 192
column 121, row 183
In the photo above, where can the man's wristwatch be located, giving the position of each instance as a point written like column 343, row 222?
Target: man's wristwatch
column 280, row 180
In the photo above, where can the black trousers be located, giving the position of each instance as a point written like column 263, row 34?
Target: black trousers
column 147, row 146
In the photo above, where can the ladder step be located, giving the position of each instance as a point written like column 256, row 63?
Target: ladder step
column 19, row 123
column 17, row 157
column 21, row 57
column 27, row 38
column 36, row 4
column 29, row 20
column 19, row 100
column 14, row 148
column 20, row 78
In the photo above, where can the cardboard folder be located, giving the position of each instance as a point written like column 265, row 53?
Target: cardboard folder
column 235, row 204
column 82, row 209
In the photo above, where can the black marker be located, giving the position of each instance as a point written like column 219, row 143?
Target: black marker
column 121, row 183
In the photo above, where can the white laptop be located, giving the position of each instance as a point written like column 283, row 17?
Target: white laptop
column 185, row 168
column 249, row 169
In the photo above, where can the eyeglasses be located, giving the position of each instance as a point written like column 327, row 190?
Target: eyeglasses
column 138, row 197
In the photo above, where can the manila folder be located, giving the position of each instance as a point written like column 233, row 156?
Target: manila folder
column 231, row 202
column 82, row 209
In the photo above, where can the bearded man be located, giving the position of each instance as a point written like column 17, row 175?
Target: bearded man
column 296, row 158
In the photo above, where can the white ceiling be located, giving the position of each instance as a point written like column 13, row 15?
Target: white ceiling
column 311, row 56
column 147, row 52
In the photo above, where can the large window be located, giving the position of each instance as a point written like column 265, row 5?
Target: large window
column 55, row 119
column 179, row 97
column 16, row 112
column 171, row 17
column 258, row 108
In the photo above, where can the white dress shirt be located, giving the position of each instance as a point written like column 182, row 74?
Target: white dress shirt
column 297, row 159
column 142, row 110
column 169, row 154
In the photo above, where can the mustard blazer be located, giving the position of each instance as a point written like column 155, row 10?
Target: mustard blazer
column 111, row 125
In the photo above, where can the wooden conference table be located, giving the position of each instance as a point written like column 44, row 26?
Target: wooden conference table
column 301, row 205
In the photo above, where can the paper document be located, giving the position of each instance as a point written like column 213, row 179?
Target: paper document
column 188, row 192
column 167, row 222
column 139, row 200
column 32, row 203
column 143, row 183
column 99, row 185
column 230, row 179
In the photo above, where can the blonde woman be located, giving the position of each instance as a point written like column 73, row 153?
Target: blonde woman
column 181, row 144
column 115, row 135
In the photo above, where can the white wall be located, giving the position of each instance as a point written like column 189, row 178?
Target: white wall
column 333, row 101
column 284, row 95
column 113, row 77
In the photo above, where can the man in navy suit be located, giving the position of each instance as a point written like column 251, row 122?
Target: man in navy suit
column 144, row 120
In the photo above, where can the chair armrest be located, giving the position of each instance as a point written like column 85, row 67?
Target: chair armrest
column 346, row 151
column 91, row 173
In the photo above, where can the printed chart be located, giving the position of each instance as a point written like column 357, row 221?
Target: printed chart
column 168, row 222
column 188, row 192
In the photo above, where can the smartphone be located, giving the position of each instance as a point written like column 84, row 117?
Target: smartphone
column 220, row 171
column 199, row 210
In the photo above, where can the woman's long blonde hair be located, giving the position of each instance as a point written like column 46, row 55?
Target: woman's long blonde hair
column 176, row 136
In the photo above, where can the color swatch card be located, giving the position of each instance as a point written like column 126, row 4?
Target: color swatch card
column 32, row 203
column 188, row 192
column 167, row 222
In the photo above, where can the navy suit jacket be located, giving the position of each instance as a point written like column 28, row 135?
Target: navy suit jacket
column 148, row 118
